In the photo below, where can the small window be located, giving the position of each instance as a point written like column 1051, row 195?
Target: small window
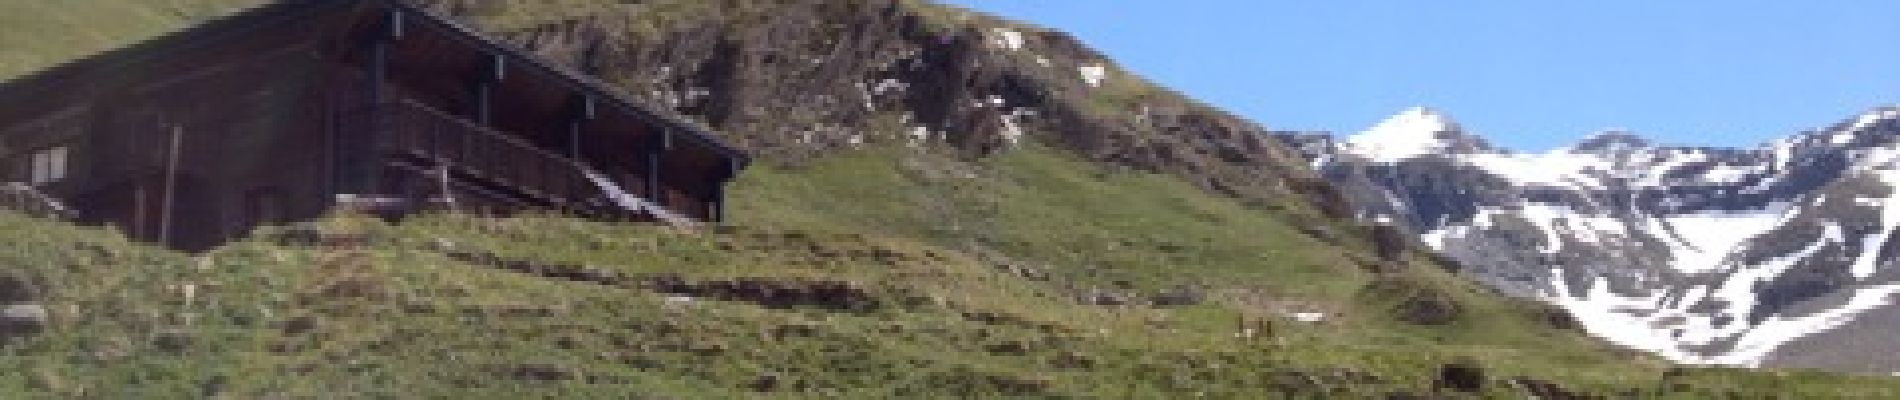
column 49, row 165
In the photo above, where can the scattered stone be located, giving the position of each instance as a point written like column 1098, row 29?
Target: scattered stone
column 1388, row 240
column 1557, row 317
column 1461, row 376
column 22, row 319
column 173, row 340
column 1104, row 298
column 765, row 383
column 211, row 388
column 1025, row 272
column 300, row 325
column 1179, row 296
column 15, row 290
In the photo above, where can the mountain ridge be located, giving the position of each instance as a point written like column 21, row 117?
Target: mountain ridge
column 1669, row 240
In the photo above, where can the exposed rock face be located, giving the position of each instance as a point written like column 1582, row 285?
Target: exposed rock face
column 790, row 80
column 1707, row 255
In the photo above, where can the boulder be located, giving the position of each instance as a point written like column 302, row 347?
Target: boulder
column 15, row 290
column 1460, row 376
column 22, row 319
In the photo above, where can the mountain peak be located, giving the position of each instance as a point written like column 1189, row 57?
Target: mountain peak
column 1874, row 116
column 1610, row 140
column 1417, row 131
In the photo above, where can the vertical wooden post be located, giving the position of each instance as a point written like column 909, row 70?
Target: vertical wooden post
column 139, row 227
column 490, row 74
column 583, row 111
column 484, row 102
column 364, row 172
column 171, row 186
column 716, row 205
column 655, row 150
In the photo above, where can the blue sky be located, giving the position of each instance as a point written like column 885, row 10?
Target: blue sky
column 1529, row 75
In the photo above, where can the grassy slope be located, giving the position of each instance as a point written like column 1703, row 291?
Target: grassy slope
column 38, row 34
column 399, row 317
column 922, row 235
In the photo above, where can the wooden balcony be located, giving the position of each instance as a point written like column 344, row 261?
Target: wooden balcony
column 448, row 150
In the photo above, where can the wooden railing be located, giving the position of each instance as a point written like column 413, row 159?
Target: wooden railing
column 471, row 152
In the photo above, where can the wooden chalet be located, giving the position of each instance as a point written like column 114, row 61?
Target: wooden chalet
column 286, row 111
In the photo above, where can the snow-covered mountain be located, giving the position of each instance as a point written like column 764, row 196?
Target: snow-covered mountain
column 1773, row 255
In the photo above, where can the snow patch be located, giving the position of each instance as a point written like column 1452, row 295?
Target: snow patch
column 1409, row 134
column 1607, row 315
column 1729, row 174
column 1868, row 120
column 919, row 135
column 1699, row 242
column 1547, row 219
column 1775, row 331
column 1012, row 125
column 1889, row 220
column 889, row 85
column 1007, row 39
column 1557, row 169
column 1093, row 74
column 1666, row 326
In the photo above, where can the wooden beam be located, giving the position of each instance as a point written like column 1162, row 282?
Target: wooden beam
column 716, row 206
column 487, row 76
column 654, row 151
column 583, row 111
column 361, row 170
column 363, row 176
column 171, row 185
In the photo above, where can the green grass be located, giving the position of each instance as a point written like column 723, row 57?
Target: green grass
column 398, row 317
column 935, row 245
column 35, row 35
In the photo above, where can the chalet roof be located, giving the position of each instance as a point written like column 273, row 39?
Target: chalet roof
column 276, row 12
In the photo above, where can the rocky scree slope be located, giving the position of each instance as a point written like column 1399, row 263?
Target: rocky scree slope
column 1778, row 255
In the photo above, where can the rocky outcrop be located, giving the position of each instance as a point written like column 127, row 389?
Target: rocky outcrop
column 792, row 80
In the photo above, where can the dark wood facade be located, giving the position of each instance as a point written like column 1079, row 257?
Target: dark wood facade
column 286, row 111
